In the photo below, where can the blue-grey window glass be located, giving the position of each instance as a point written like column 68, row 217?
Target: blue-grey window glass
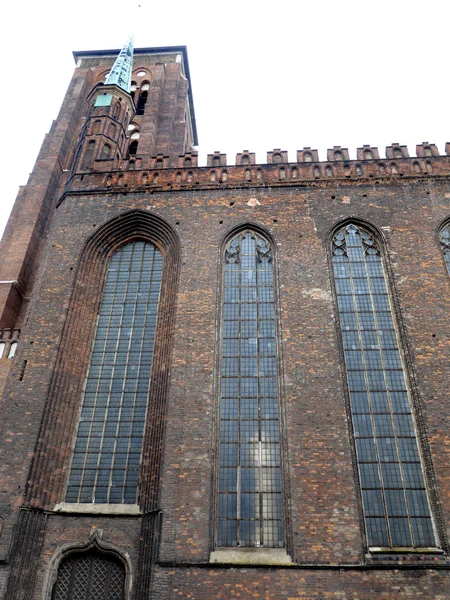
column 445, row 245
column 107, row 454
column 250, row 494
column 395, row 500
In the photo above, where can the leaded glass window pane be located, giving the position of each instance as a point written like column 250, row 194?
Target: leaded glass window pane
column 395, row 502
column 445, row 245
column 107, row 454
column 250, row 494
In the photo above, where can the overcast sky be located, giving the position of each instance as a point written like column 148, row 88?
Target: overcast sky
column 264, row 75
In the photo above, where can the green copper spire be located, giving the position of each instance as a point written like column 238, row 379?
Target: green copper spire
column 120, row 74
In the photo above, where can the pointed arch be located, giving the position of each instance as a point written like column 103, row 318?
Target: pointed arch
column 444, row 242
column 66, row 390
column 93, row 548
column 395, row 500
column 249, row 508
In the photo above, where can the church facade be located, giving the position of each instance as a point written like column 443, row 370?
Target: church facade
column 220, row 381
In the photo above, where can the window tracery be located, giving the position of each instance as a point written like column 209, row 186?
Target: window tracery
column 250, row 495
column 444, row 236
column 395, row 501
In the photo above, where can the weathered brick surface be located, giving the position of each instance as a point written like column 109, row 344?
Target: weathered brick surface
column 189, row 213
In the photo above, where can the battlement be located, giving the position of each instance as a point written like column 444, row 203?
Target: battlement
column 156, row 171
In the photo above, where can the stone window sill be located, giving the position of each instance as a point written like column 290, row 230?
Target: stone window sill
column 98, row 509
column 251, row 556
column 376, row 550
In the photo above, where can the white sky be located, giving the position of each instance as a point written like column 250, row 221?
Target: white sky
column 265, row 75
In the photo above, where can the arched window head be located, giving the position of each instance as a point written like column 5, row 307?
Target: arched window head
column 444, row 237
column 187, row 162
column 250, row 491
column 395, row 501
column 141, row 103
column 107, row 454
column 277, row 158
column 245, row 159
column 106, row 151
column 89, row 154
column 307, row 157
column 368, row 155
column 159, row 163
column 12, row 350
column 427, row 151
column 89, row 575
column 398, row 153
column 132, row 148
column 216, row 161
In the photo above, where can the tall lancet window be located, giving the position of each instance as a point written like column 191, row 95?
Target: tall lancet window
column 445, row 245
column 395, row 502
column 107, row 454
column 250, row 500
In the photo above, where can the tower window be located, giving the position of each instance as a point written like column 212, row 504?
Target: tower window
column 338, row 155
column 427, row 151
column 132, row 148
column 395, row 502
column 307, row 157
column 398, row 153
column 245, row 159
column 107, row 454
column 368, row 155
column 250, row 495
column 142, row 102
column 277, row 158
column 12, row 350
column 106, row 152
column 89, row 154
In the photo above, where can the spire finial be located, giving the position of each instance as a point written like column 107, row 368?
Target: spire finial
column 120, row 74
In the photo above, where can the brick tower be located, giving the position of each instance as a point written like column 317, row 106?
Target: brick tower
column 220, row 381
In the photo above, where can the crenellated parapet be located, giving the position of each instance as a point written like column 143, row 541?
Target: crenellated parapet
column 154, row 172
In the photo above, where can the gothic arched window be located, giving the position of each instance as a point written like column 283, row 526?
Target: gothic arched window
column 250, row 494
column 90, row 576
column 444, row 237
column 107, row 454
column 395, row 501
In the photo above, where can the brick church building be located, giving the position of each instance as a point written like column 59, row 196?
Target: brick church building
column 222, row 381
